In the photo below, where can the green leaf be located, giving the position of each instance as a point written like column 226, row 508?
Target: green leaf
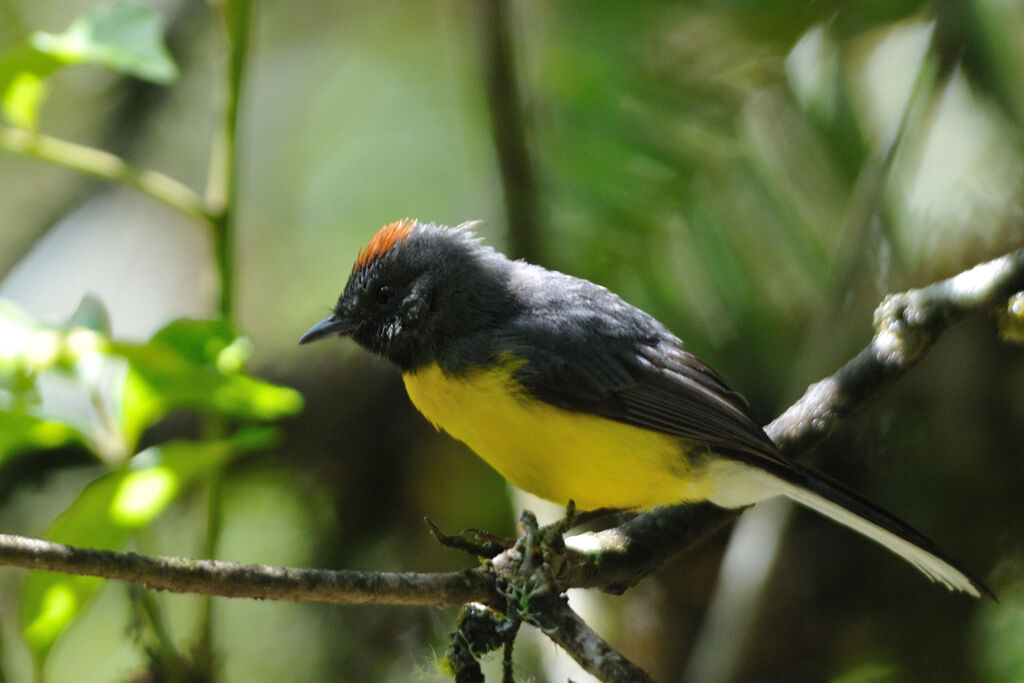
column 124, row 37
column 22, row 432
column 25, row 348
column 15, row 326
column 23, row 74
column 91, row 314
column 22, row 99
column 195, row 364
column 189, row 364
column 198, row 341
column 108, row 511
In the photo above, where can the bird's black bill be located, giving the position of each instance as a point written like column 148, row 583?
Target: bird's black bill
column 330, row 325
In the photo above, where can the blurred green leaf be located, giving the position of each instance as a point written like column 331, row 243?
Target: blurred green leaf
column 124, row 37
column 998, row 628
column 28, row 346
column 15, row 326
column 188, row 364
column 813, row 72
column 91, row 314
column 198, row 341
column 106, row 513
column 23, row 345
column 870, row 672
column 23, row 74
column 22, row 432
column 195, row 364
column 23, row 97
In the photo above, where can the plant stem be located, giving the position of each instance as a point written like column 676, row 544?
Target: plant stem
column 204, row 655
column 508, row 129
column 167, row 660
column 222, row 187
column 222, row 193
column 103, row 164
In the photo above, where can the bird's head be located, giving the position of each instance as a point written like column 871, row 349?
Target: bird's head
column 416, row 289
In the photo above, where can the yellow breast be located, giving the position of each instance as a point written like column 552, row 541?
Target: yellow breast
column 554, row 453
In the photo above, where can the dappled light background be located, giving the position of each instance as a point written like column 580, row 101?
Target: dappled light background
column 757, row 175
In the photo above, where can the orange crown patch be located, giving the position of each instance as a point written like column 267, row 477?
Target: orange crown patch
column 385, row 239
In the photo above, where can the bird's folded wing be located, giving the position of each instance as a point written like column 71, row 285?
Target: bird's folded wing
column 656, row 386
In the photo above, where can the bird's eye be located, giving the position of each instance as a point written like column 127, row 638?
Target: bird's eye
column 384, row 294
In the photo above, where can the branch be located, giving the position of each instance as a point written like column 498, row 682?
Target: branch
column 907, row 324
column 102, row 164
column 565, row 628
column 237, row 580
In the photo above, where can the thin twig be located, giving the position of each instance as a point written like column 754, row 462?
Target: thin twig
column 103, row 164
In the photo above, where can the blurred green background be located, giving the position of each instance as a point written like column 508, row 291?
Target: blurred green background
column 757, row 175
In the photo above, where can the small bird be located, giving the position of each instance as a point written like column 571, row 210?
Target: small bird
column 575, row 395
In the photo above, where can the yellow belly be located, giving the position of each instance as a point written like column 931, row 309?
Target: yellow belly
column 557, row 454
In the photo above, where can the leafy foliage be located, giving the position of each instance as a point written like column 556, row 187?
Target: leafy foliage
column 195, row 364
column 75, row 385
column 106, row 513
column 189, row 364
column 124, row 37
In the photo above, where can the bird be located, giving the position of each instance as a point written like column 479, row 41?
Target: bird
column 573, row 394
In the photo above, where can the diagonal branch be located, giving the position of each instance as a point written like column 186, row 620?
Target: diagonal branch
column 906, row 326
column 566, row 629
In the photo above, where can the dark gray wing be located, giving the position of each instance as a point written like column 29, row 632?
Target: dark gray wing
column 674, row 392
column 589, row 351
column 653, row 384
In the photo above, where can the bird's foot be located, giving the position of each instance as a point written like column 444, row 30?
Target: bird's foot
column 473, row 541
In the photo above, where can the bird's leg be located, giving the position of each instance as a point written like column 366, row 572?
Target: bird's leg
column 574, row 518
column 533, row 577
